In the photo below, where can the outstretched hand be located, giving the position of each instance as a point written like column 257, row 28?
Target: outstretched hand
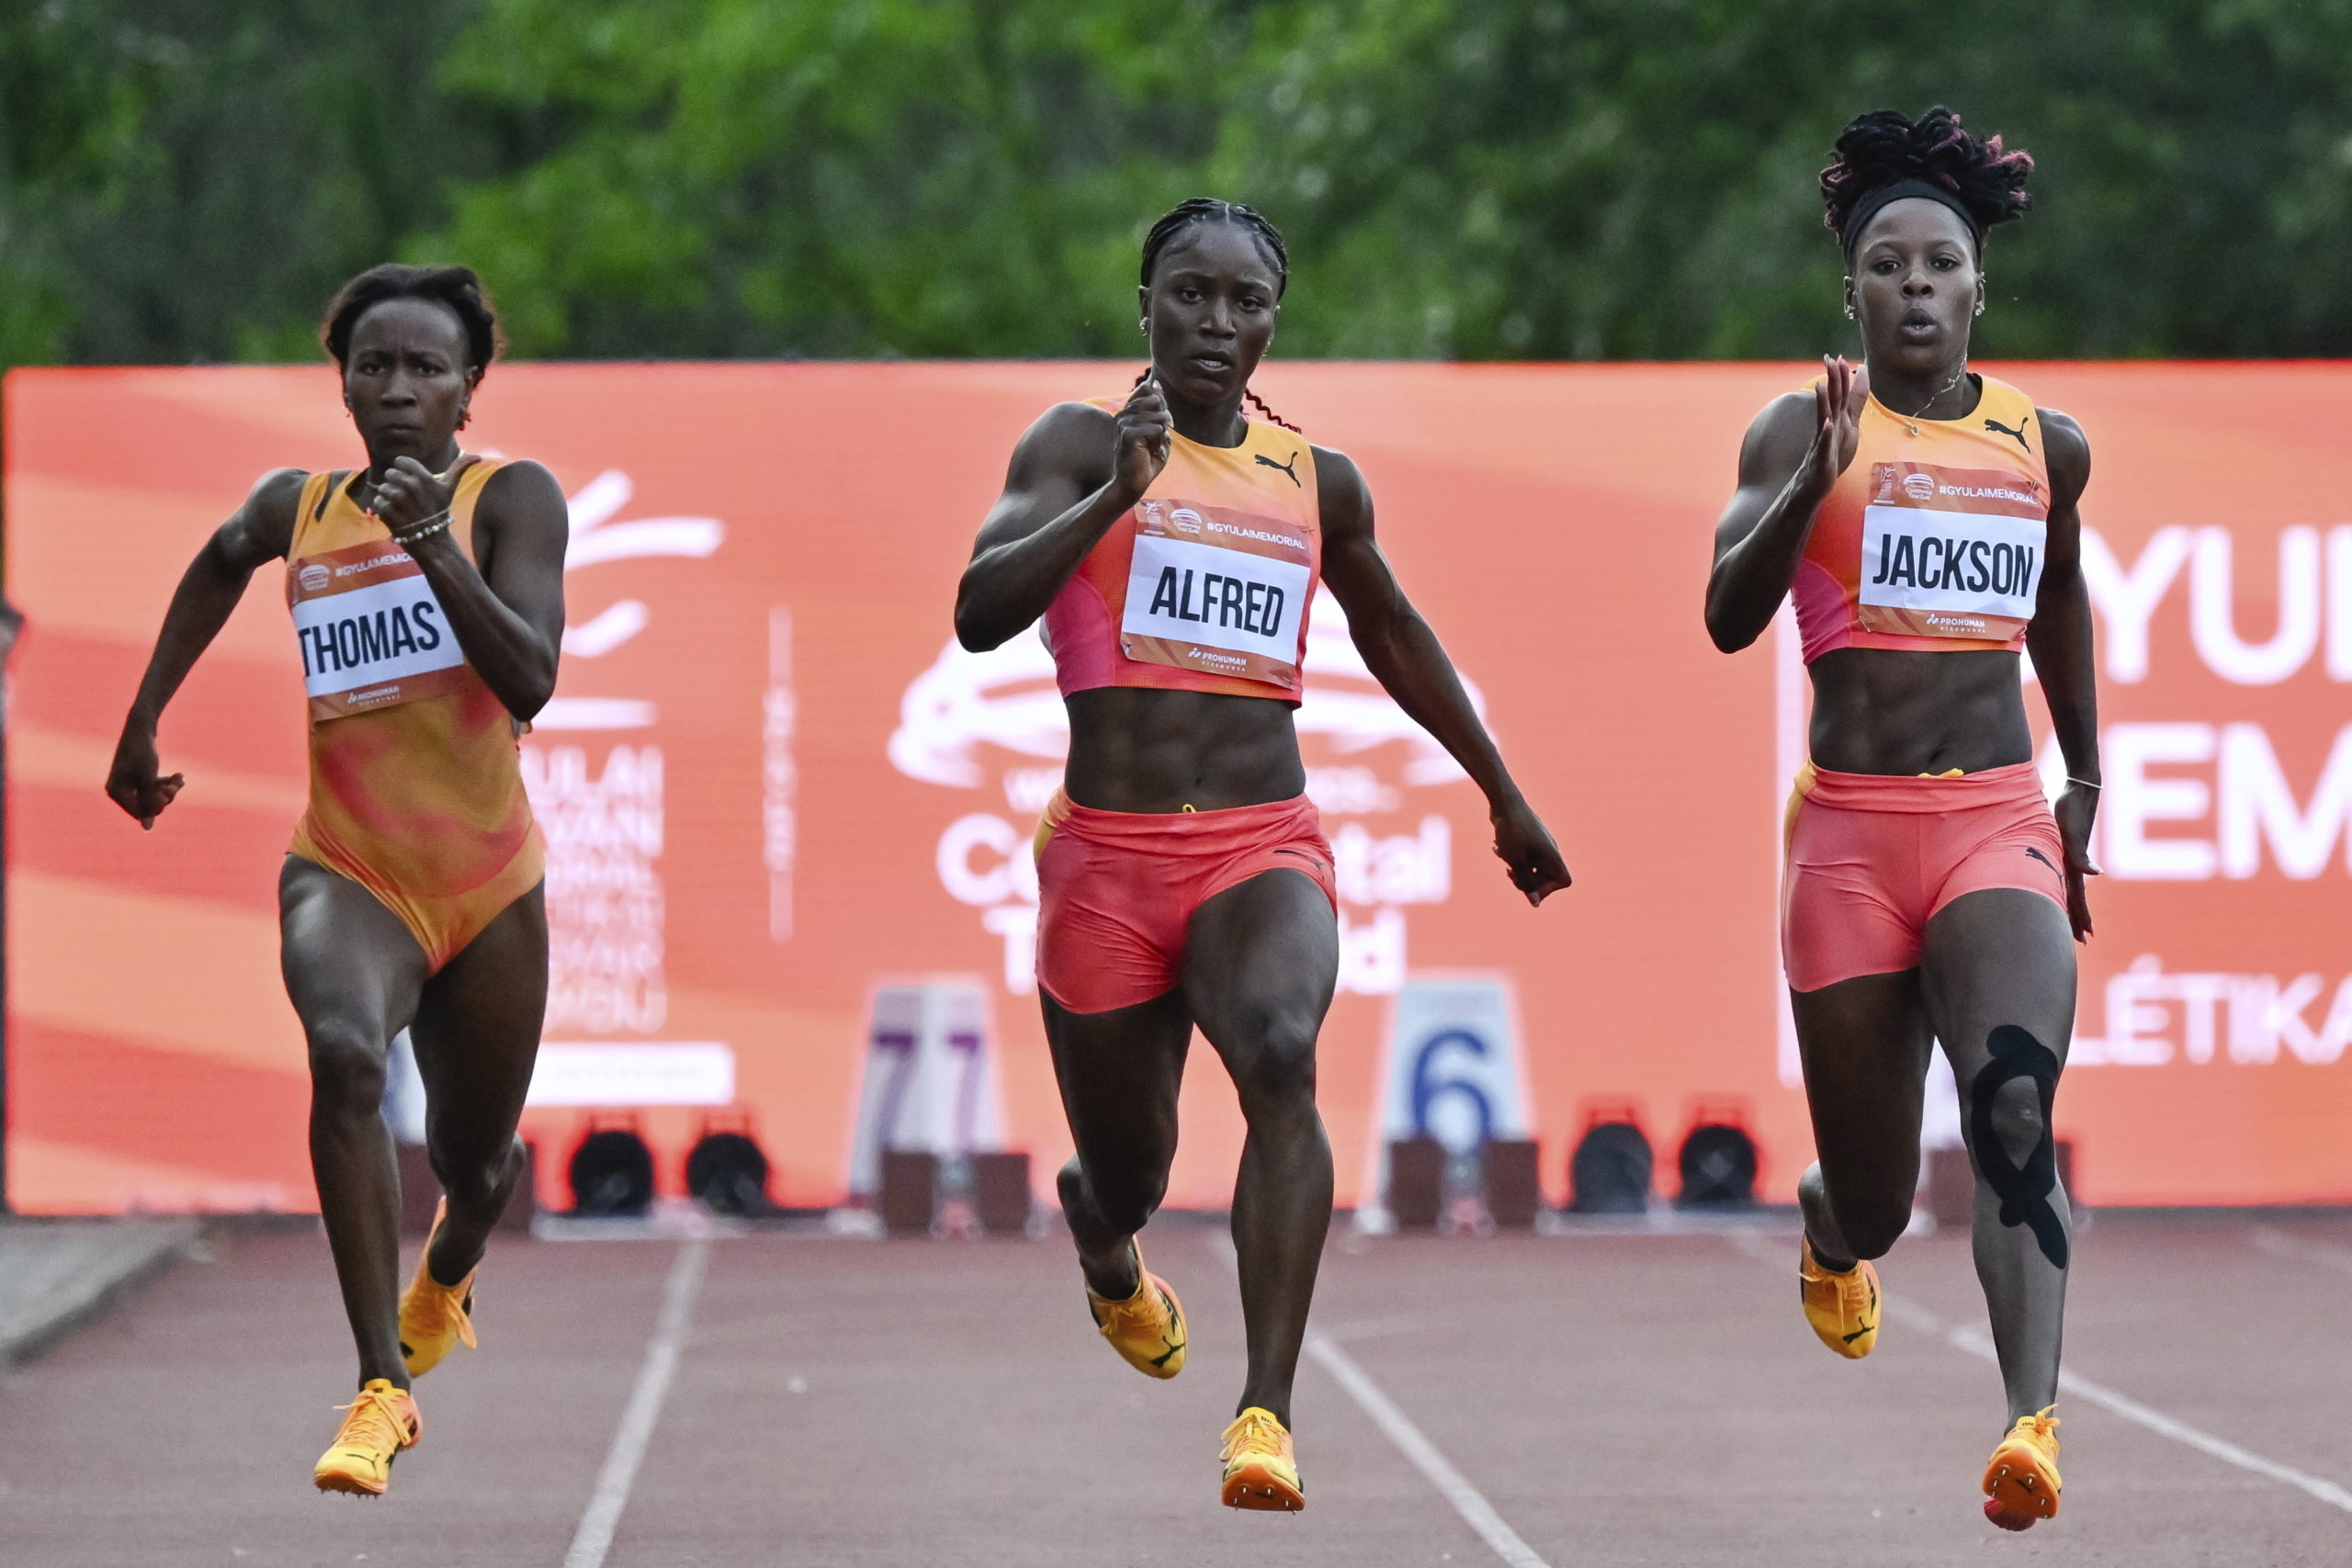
column 131, row 782
column 1525, row 846
column 2077, row 809
column 411, row 494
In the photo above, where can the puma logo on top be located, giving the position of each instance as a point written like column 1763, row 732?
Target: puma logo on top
column 1290, row 467
column 1989, row 425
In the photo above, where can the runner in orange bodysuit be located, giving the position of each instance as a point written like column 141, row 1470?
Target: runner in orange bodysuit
column 427, row 598
column 1171, row 546
column 1923, row 519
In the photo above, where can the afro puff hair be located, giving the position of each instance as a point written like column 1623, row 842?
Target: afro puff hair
column 1883, row 146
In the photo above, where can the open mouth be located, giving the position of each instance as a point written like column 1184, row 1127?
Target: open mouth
column 1214, row 364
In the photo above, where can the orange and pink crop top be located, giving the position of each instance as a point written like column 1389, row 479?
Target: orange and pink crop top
column 1932, row 540
column 1204, row 584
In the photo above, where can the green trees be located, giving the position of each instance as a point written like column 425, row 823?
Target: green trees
column 1517, row 178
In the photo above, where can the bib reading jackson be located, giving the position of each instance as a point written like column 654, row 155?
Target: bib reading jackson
column 1217, row 591
column 1951, row 552
column 371, row 632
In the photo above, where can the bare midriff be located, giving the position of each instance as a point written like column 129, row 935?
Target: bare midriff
column 1135, row 748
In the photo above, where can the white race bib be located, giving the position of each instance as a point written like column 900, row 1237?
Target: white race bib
column 1952, row 552
column 370, row 630
column 1217, row 591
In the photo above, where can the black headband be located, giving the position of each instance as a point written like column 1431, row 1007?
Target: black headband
column 1902, row 190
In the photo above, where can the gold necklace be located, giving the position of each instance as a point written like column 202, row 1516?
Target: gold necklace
column 1910, row 421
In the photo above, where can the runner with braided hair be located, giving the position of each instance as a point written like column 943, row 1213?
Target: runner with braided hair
column 1924, row 520
column 1171, row 546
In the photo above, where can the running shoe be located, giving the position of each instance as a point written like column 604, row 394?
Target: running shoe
column 1147, row 1329
column 1260, row 1466
column 435, row 1318
column 1842, row 1308
column 376, row 1428
column 2021, row 1481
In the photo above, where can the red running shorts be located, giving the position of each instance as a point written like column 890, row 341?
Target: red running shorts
column 1116, row 889
column 1873, row 858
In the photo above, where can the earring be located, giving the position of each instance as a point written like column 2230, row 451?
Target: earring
column 1144, row 327
column 465, row 417
column 1849, row 313
column 1980, row 308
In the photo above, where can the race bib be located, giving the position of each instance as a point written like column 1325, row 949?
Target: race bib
column 1952, row 552
column 371, row 632
column 1221, row 591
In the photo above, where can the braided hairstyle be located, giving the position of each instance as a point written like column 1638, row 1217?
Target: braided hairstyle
column 1978, row 177
column 1184, row 216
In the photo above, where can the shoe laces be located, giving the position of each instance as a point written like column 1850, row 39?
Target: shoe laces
column 2042, row 1428
column 440, row 1305
column 1253, row 1431
column 376, row 1421
column 1141, row 1311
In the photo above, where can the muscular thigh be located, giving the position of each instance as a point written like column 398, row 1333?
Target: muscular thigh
column 351, row 967
column 1260, row 961
column 478, row 1021
column 2002, row 958
column 1865, row 1044
column 1120, row 1072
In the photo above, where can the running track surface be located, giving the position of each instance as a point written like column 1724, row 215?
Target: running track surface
column 1612, row 1399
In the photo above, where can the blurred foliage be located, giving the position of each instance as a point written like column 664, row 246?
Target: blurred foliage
column 1517, row 178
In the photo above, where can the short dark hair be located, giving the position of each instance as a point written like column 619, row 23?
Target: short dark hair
column 1978, row 177
column 457, row 287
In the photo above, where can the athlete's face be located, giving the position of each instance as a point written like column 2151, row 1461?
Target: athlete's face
column 406, row 381
column 1914, row 284
column 1210, row 309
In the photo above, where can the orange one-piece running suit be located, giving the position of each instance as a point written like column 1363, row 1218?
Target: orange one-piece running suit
column 416, row 782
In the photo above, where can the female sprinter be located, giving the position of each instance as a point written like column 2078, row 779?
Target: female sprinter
column 1173, row 545
column 427, row 596
column 1925, row 519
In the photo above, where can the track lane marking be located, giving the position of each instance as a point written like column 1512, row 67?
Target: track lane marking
column 1410, row 1439
column 1975, row 1342
column 593, row 1539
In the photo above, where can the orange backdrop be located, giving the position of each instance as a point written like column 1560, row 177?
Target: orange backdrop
column 777, row 785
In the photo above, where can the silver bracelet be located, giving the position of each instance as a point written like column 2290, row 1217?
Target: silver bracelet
column 436, row 523
column 2084, row 783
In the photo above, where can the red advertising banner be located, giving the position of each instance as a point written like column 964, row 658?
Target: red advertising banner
column 788, row 818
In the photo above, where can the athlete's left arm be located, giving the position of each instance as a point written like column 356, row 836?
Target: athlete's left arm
column 1404, row 656
column 2059, row 639
column 505, row 602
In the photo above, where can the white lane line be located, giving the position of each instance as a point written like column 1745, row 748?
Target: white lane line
column 1975, row 1342
column 1399, row 1428
column 595, row 1537
column 2279, row 1244
column 2119, row 1403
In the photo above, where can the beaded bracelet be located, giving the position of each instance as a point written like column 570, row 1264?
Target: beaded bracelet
column 436, row 523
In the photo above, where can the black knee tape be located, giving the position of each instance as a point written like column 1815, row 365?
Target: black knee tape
column 2024, row 1190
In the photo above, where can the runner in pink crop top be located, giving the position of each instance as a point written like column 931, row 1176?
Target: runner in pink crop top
column 1204, row 584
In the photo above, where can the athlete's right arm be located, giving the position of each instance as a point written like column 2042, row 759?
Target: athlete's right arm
column 1076, row 472
column 261, row 530
column 1793, row 454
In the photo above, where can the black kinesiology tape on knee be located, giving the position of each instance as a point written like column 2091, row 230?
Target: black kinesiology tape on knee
column 2024, row 1190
